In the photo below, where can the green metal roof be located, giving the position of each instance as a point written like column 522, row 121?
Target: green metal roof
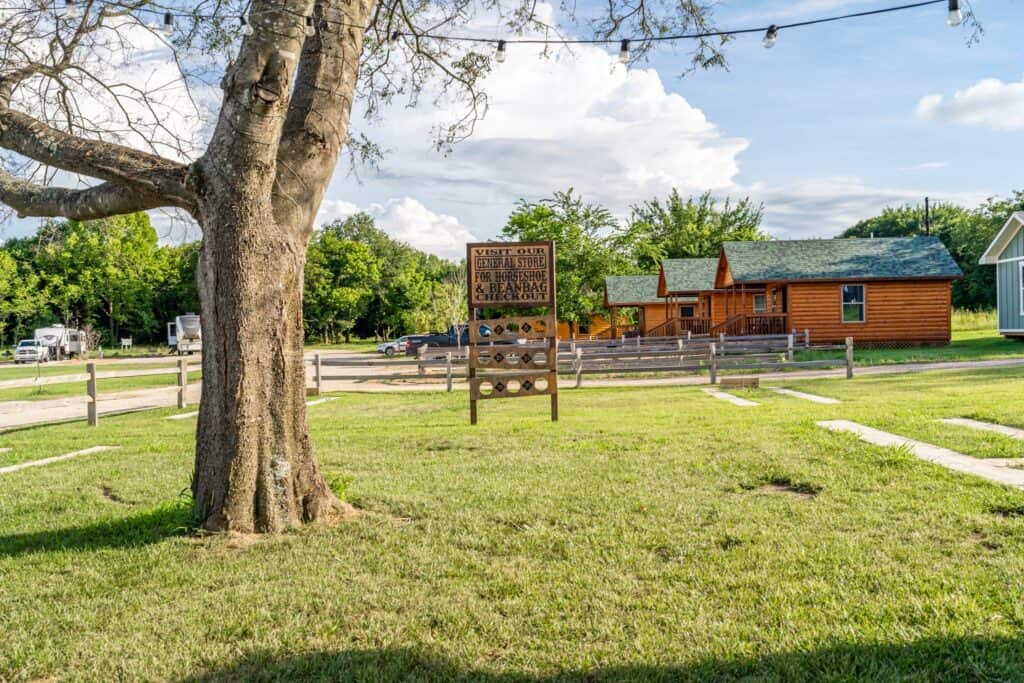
column 840, row 259
column 624, row 290
column 689, row 274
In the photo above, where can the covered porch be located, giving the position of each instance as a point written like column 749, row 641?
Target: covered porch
column 754, row 309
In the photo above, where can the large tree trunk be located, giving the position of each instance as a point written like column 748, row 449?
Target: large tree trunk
column 255, row 468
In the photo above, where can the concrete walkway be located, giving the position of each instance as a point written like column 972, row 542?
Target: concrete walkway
column 1012, row 432
column 996, row 471
column 56, row 458
column 814, row 398
column 735, row 400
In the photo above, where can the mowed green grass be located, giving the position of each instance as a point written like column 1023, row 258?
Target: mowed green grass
column 648, row 535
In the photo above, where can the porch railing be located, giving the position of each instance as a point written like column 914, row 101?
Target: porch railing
column 678, row 327
column 752, row 324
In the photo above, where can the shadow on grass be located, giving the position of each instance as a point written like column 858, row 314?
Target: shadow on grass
column 952, row 659
column 173, row 519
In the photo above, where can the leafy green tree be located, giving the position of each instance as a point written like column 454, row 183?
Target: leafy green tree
column 691, row 228
column 21, row 297
column 583, row 252
column 402, row 297
column 966, row 234
column 341, row 276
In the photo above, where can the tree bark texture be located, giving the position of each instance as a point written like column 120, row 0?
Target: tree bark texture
column 255, row 470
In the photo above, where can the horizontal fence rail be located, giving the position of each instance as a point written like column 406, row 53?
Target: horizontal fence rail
column 624, row 356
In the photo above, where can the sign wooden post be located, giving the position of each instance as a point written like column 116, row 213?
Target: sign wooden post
column 513, row 356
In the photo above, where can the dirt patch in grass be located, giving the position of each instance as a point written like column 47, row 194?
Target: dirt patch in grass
column 112, row 495
column 979, row 538
column 788, row 490
column 783, row 485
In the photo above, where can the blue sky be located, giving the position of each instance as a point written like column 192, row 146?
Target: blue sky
column 824, row 128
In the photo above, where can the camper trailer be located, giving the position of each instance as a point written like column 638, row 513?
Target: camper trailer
column 185, row 335
column 61, row 342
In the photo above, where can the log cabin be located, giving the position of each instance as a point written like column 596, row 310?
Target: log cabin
column 1006, row 253
column 880, row 291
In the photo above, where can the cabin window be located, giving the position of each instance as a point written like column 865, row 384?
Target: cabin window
column 760, row 304
column 686, row 311
column 853, row 303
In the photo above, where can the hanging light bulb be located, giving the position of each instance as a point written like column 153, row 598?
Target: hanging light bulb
column 310, row 27
column 168, row 24
column 624, row 51
column 955, row 16
column 70, row 10
column 246, row 26
column 500, row 55
column 770, row 36
column 393, row 39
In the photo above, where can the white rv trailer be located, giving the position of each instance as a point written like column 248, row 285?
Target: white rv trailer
column 185, row 334
column 61, row 342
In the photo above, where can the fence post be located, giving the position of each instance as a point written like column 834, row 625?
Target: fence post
column 679, row 347
column 713, row 361
column 448, row 370
column 90, row 388
column 689, row 335
column 579, row 368
column 721, row 341
column 849, row 358
column 317, row 374
column 182, row 382
column 623, row 338
column 789, row 347
column 807, row 338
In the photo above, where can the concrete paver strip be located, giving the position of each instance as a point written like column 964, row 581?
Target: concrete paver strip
column 5, row 450
column 825, row 400
column 56, row 458
column 182, row 416
column 735, row 400
column 1012, row 432
column 319, row 401
column 935, row 454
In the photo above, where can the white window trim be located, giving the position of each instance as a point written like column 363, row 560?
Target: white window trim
column 1020, row 286
column 863, row 305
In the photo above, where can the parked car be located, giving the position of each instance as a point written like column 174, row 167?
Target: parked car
column 390, row 348
column 30, row 351
column 456, row 337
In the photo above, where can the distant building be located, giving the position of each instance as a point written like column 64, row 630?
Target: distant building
column 1006, row 253
column 878, row 291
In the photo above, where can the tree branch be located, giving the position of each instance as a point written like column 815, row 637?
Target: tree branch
column 100, row 201
column 317, row 122
column 143, row 171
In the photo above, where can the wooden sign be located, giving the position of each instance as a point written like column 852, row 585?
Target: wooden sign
column 511, row 274
column 513, row 356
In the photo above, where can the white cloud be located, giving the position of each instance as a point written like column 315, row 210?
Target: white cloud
column 928, row 166
column 409, row 221
column 579, row 119
column 989, row 102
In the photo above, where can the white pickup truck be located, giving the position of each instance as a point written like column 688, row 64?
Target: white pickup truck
column 30, row 351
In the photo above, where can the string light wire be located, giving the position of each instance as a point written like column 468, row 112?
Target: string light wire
column 771, row 30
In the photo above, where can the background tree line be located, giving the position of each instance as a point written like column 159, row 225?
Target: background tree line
column 114, row 276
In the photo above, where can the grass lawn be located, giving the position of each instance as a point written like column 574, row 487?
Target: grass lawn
column 651, row 534
column 966, row 345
